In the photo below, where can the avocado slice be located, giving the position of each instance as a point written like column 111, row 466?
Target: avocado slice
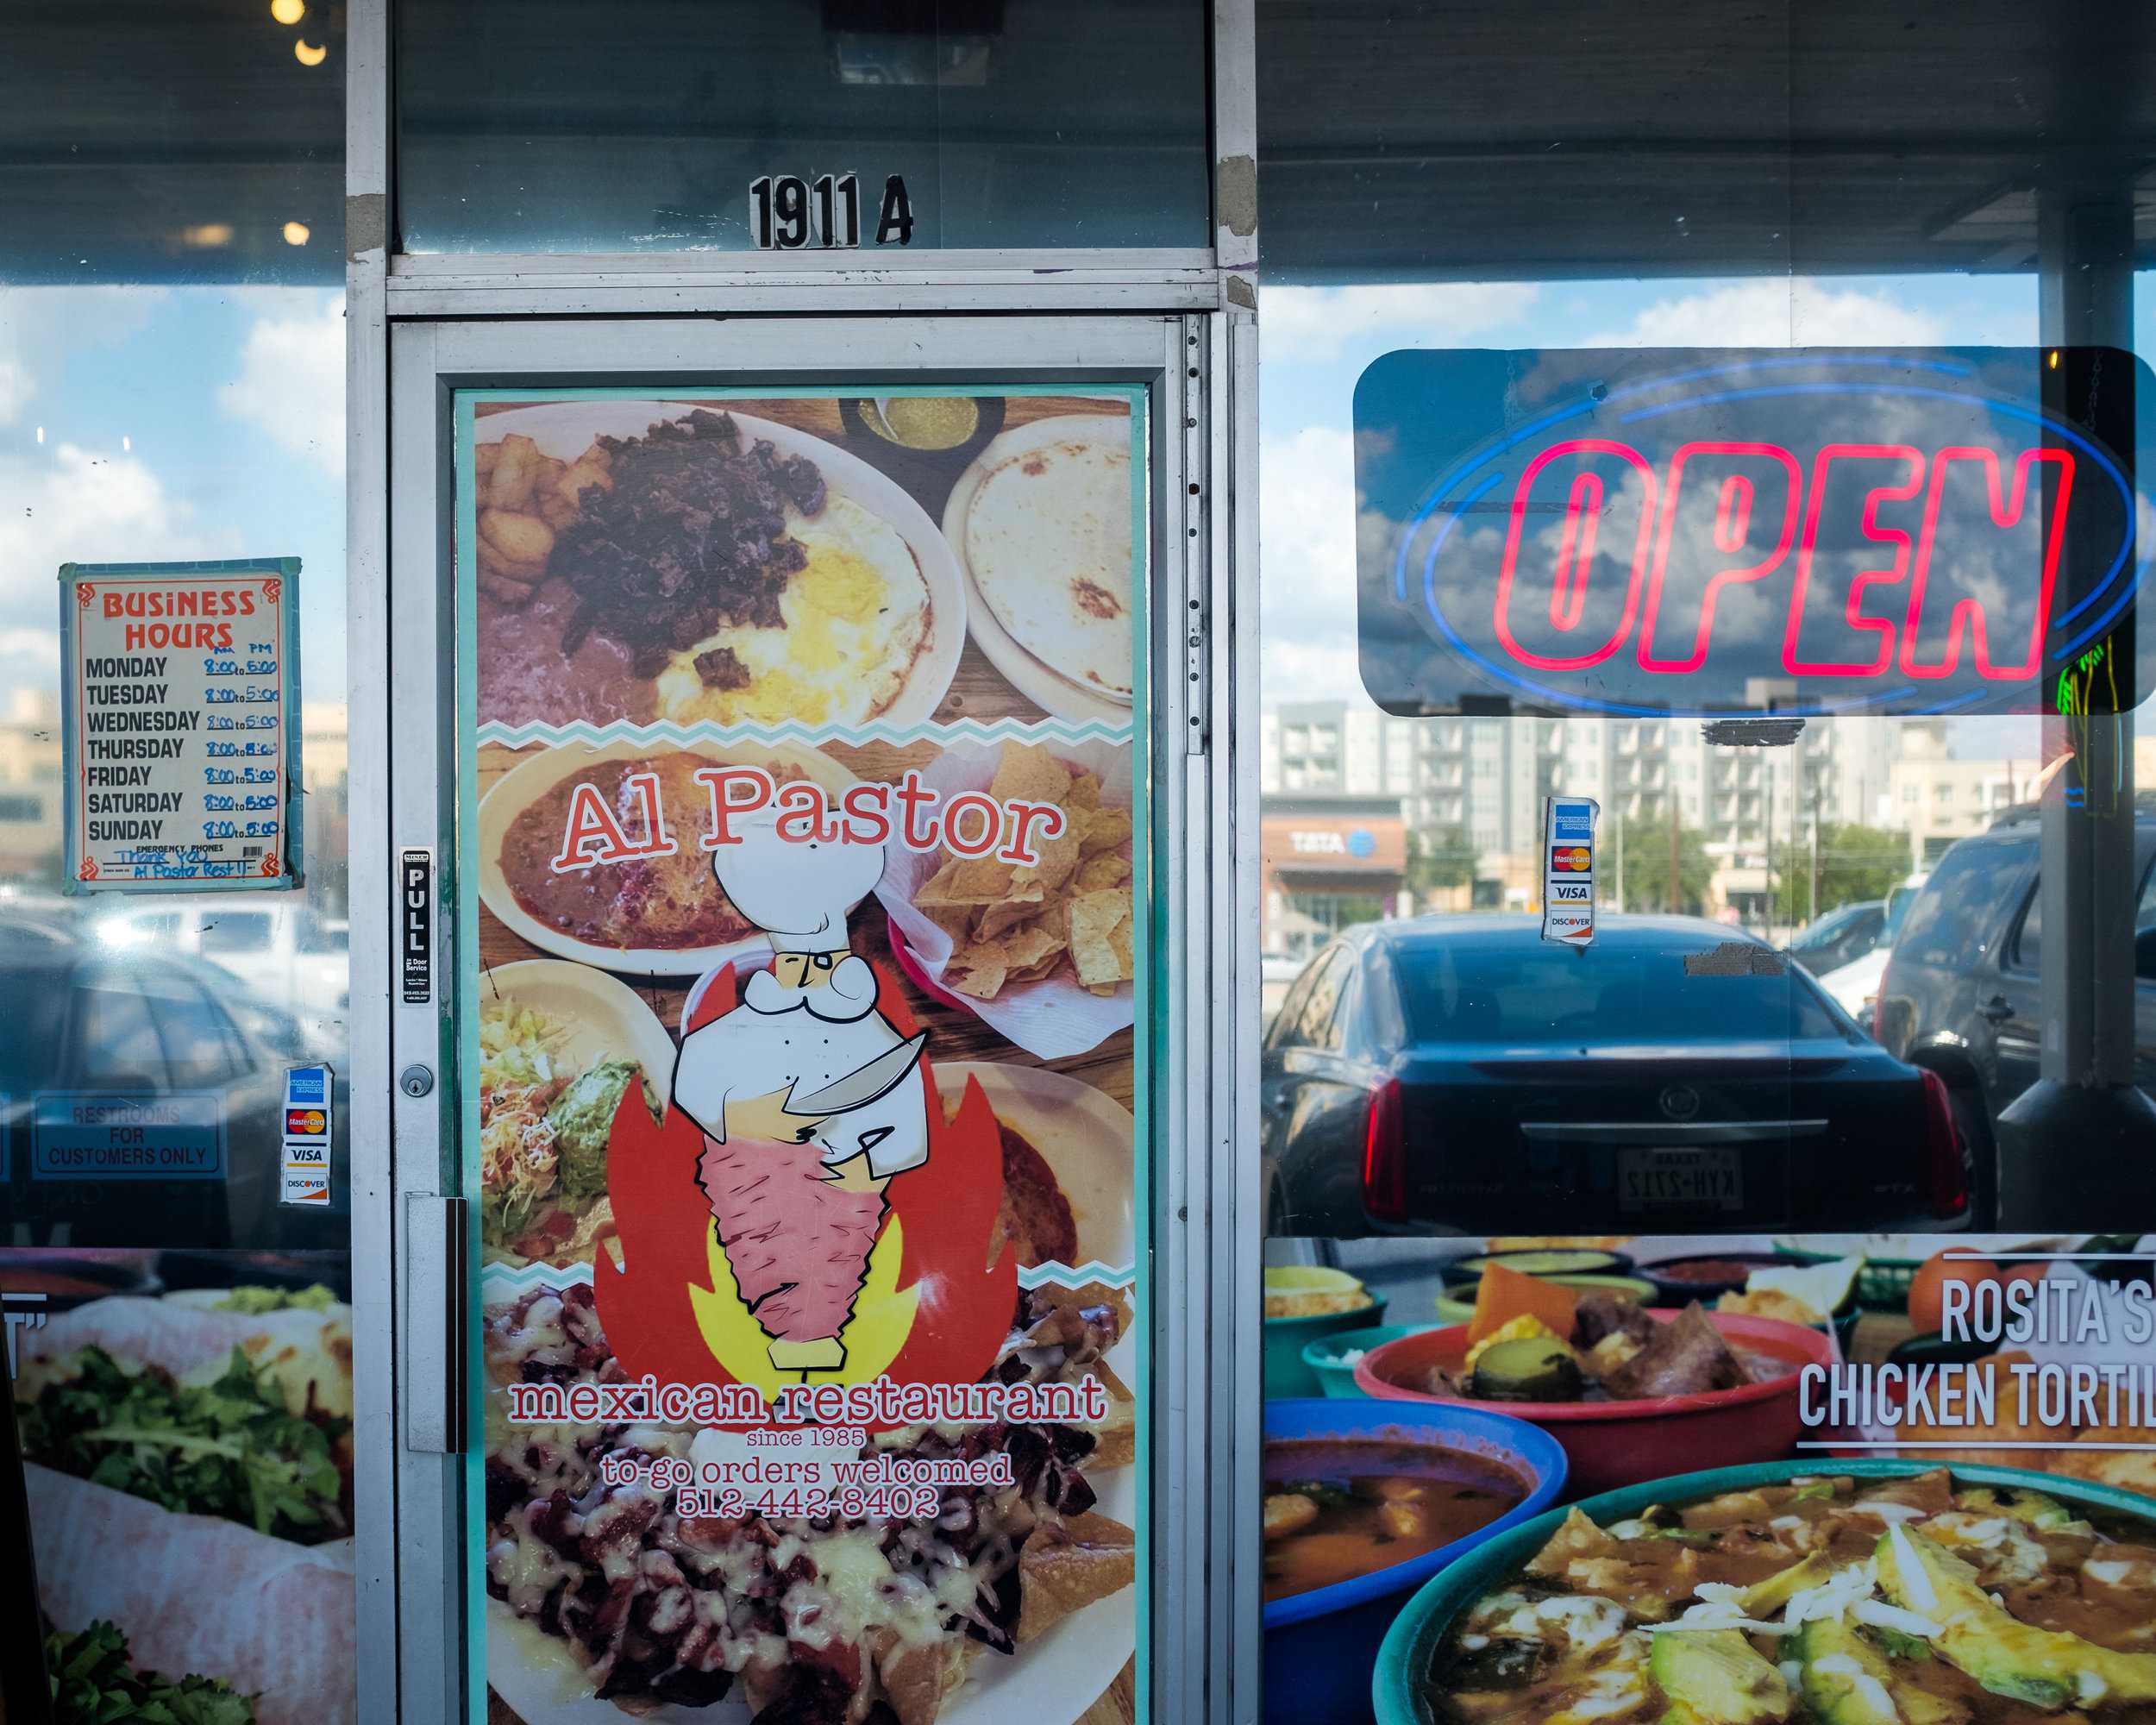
column 2037, row 1509
column 1714, row 1677
column 1764, row 1598
column 2046, row 1668
column 1530, row 1369
column 1846, row 1680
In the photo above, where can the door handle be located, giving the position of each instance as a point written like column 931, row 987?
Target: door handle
column 436, row 1356
column 1998, row 1009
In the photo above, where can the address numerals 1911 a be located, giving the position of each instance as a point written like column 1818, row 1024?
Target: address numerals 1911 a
column 788, row 213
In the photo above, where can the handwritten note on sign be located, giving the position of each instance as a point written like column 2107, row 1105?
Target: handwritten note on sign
column 180, row 704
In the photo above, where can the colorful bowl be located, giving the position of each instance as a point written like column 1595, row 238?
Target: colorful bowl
column 1396, row 1693
column 1546, row 1261
column 1319, row 1646
column 1336, row 1377
column 1286, row 1374
column 1457, row 1304
column 1611, row 1444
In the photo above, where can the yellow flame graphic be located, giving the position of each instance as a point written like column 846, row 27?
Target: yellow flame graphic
column 882, row 1319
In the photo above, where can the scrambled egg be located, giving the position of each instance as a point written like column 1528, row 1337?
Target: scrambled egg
column 855, row 618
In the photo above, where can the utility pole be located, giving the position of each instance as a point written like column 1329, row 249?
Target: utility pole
column 1677, row 856
column 1811, row 778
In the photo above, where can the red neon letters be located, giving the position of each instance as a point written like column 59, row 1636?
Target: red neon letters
column 1957, row 543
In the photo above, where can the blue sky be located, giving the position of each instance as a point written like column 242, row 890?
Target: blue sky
column 180, row 422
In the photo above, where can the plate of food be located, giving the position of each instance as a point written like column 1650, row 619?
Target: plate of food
column 654, row 916
column 1067, row 1162
column 652, row 561
column 257, row 1398
column 558, row 1045
column 1020, row 1607
column 1809, row 1591
column 1041, row 525
column 1045, row 952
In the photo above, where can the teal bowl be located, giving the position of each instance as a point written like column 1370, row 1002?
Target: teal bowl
column 1338, row 1381
column 1396, row 1691
column 1287, row 1375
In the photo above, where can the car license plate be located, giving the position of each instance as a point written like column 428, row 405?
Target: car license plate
column 1701, row 1178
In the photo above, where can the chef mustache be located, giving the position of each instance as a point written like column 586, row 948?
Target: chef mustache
column 851, row 994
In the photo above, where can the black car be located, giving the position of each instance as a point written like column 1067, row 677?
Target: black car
column 1461, row 1074
column 98, row 1036
column 1843, row 934
column 1963, row 993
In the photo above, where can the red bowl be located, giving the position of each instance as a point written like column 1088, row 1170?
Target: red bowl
column 1610, row 1443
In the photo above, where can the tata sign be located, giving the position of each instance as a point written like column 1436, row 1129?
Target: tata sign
column 1678, row 532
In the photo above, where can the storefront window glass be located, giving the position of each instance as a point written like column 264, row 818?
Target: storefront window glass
column 1806, row 1049
column 171, row 390
column 645, row 128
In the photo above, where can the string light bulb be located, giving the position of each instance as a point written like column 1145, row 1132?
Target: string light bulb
column 307, row 54
column 288, row 11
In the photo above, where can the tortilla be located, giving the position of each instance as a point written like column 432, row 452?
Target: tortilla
column 1048, row 542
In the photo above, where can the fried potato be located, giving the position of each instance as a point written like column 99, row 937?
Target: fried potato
column 516, row 469
column 516, row 538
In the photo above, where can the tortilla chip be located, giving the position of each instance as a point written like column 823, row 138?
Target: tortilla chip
column 1066, row 1567
column 1026, row 772
column 916, row 1680
column 1105, row 990
column 992, row 921
column 1097, row 873
column 1031, row 946
column 1119, row 940
column 1058, row 860
column 937, row 889
column 978, row 970
column 1103, row 829
column 1084, row 793
column 2129, row 1469
column 1093, row 919
column 955, row 920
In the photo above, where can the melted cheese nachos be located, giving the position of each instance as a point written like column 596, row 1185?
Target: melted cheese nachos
column 822, row 1620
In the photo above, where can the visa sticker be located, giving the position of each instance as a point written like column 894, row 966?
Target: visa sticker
column 1568, row 876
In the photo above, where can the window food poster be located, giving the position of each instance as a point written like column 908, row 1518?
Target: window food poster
column 804, row 930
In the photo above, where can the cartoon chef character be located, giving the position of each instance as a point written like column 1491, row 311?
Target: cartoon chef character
column 809, row 1099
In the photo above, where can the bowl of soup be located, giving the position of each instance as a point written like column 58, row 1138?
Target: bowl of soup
column 1572, row 1615
column 1365, row 1500
column 1720, row 1406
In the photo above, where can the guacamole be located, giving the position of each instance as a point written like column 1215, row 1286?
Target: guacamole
column 582, row 1118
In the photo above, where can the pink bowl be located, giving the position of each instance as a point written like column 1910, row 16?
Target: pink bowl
column 1611, row 1444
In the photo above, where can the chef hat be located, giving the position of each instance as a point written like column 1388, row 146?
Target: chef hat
column 797, row 892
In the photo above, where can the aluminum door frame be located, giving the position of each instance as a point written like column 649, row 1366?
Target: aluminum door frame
column 1201, row 374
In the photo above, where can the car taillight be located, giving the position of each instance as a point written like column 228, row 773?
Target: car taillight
column 1950, row 1170
column 1385, row 1155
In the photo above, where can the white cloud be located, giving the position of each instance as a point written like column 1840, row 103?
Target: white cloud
column 292, row 378
column 77, row 505
column 1306, row 527
column 41, row 325
column 1775, row 313
column 1310, row 325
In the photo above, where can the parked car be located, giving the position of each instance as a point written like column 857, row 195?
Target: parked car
column 1855, row 986
column 99, row 1032
column 1962, row 992
column 291, row 957
column 1846, row 932
column 1460, row 1073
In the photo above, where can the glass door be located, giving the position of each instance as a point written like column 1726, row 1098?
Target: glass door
column 780, row 1160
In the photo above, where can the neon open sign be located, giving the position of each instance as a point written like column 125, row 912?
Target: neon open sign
column 1690, row 532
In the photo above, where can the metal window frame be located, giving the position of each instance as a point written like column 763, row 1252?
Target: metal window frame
column 406, row 333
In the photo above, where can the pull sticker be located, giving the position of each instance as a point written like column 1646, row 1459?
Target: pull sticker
column 1568, row 881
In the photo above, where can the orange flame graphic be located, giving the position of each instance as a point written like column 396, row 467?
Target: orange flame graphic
column 946, row 1208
